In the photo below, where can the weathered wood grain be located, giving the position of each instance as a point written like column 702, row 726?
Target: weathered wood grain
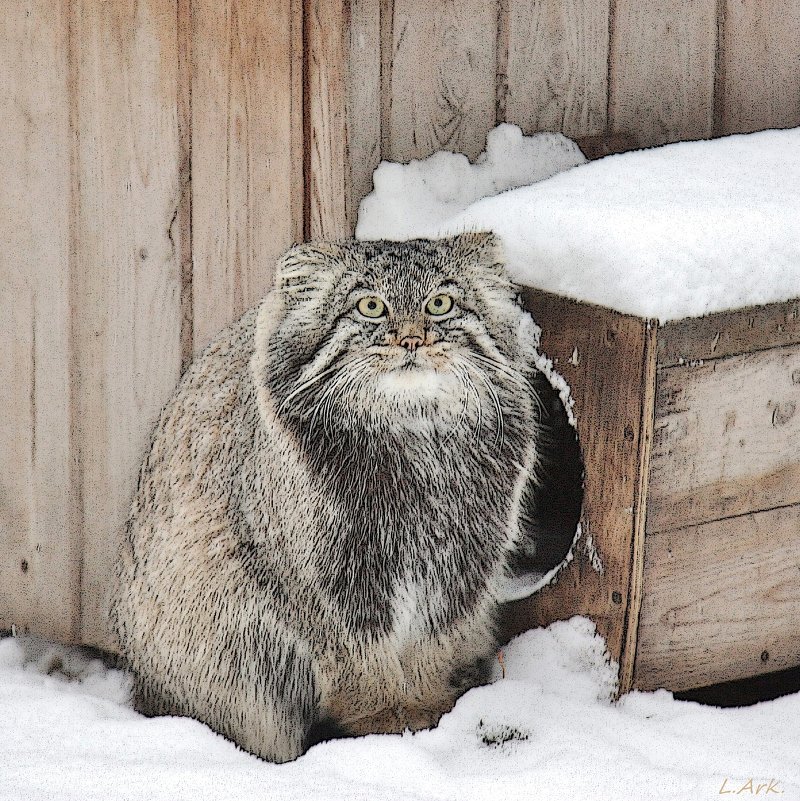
column 556, row 73
column 662, row 69
column 720, row 601
column 363, row 100
column 127, row 304
column 184, row 219
column 729, row 333
column 246, row 171
column 39, row 534
column 638, row 545
column 727, row 438
column 328, row 181
column 606, row 359
column 760, row 66
column 442, row 77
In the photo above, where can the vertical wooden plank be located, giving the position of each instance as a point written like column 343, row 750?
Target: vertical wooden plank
column 662, row 70
column 760, row 66
column 442, row 84
column 39, row 553
column 246, row 174
column 298, row 194
column 630, row 643
column 184, row 218
column 608, row 360
column 127, row 315
column 363, row 100
column 727, row 438
column 328, row 182
column 557, row 66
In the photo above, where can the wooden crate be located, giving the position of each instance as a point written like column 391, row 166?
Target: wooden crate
column 691, row 442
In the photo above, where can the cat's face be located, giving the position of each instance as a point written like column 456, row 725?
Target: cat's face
column 408, row 333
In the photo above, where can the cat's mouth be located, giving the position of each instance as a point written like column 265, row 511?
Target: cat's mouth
column 424, row 371
column 413, row 380
column 414, row 361
column 422, row 358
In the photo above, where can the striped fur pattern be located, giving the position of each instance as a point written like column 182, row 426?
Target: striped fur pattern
column 324, row 517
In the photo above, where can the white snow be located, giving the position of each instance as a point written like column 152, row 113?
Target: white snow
column 430, row 191
column 548, row 730
column 670, row 232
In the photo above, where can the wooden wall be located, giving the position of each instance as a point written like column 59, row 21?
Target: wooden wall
column 615, row 74
column 157, row 155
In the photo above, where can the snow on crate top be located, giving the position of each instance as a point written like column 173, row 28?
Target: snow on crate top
column 412, row 197
column 670, row 232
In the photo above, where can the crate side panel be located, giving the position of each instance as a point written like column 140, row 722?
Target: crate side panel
column 727, row 438
column 600, row 354
column 729, row 333
column 721, row 601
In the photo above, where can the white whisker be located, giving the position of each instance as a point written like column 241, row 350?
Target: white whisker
column 469, row 367
column 464, row 380
column 306, row 385
column 500, row 433
column 513, row 374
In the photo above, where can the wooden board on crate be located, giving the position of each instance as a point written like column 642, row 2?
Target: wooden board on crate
column 722, row 545
column 720, row 601
column 692, row 430
column 607, row 359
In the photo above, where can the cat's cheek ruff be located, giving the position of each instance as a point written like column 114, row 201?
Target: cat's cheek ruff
column 291, row 383
column 495, row 305
column 477, row 337
column 337, row 343
column 303, row 319
column 526, row 473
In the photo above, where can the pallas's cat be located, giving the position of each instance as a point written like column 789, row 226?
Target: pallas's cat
column 333, row 499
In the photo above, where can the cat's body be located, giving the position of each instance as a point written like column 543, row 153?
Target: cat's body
column 331, row 500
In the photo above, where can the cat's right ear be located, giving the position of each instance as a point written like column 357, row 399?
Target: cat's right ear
column 308, row 266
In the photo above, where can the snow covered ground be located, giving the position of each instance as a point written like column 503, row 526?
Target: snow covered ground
column 669, row 232
column 548, row 730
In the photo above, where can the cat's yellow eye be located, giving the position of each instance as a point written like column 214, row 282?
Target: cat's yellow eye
column 439, row 305
column 372, row 307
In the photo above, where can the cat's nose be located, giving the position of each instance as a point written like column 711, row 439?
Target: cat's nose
column 410, row 343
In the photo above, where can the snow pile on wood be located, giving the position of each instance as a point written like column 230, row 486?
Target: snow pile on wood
column 670, row 232
column 546, row 730
column 428, row 192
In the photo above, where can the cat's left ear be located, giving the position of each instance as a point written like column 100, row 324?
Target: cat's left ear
column 483, row 247
column 308, row 265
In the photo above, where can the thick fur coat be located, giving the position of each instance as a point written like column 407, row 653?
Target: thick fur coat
column 332, row 499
